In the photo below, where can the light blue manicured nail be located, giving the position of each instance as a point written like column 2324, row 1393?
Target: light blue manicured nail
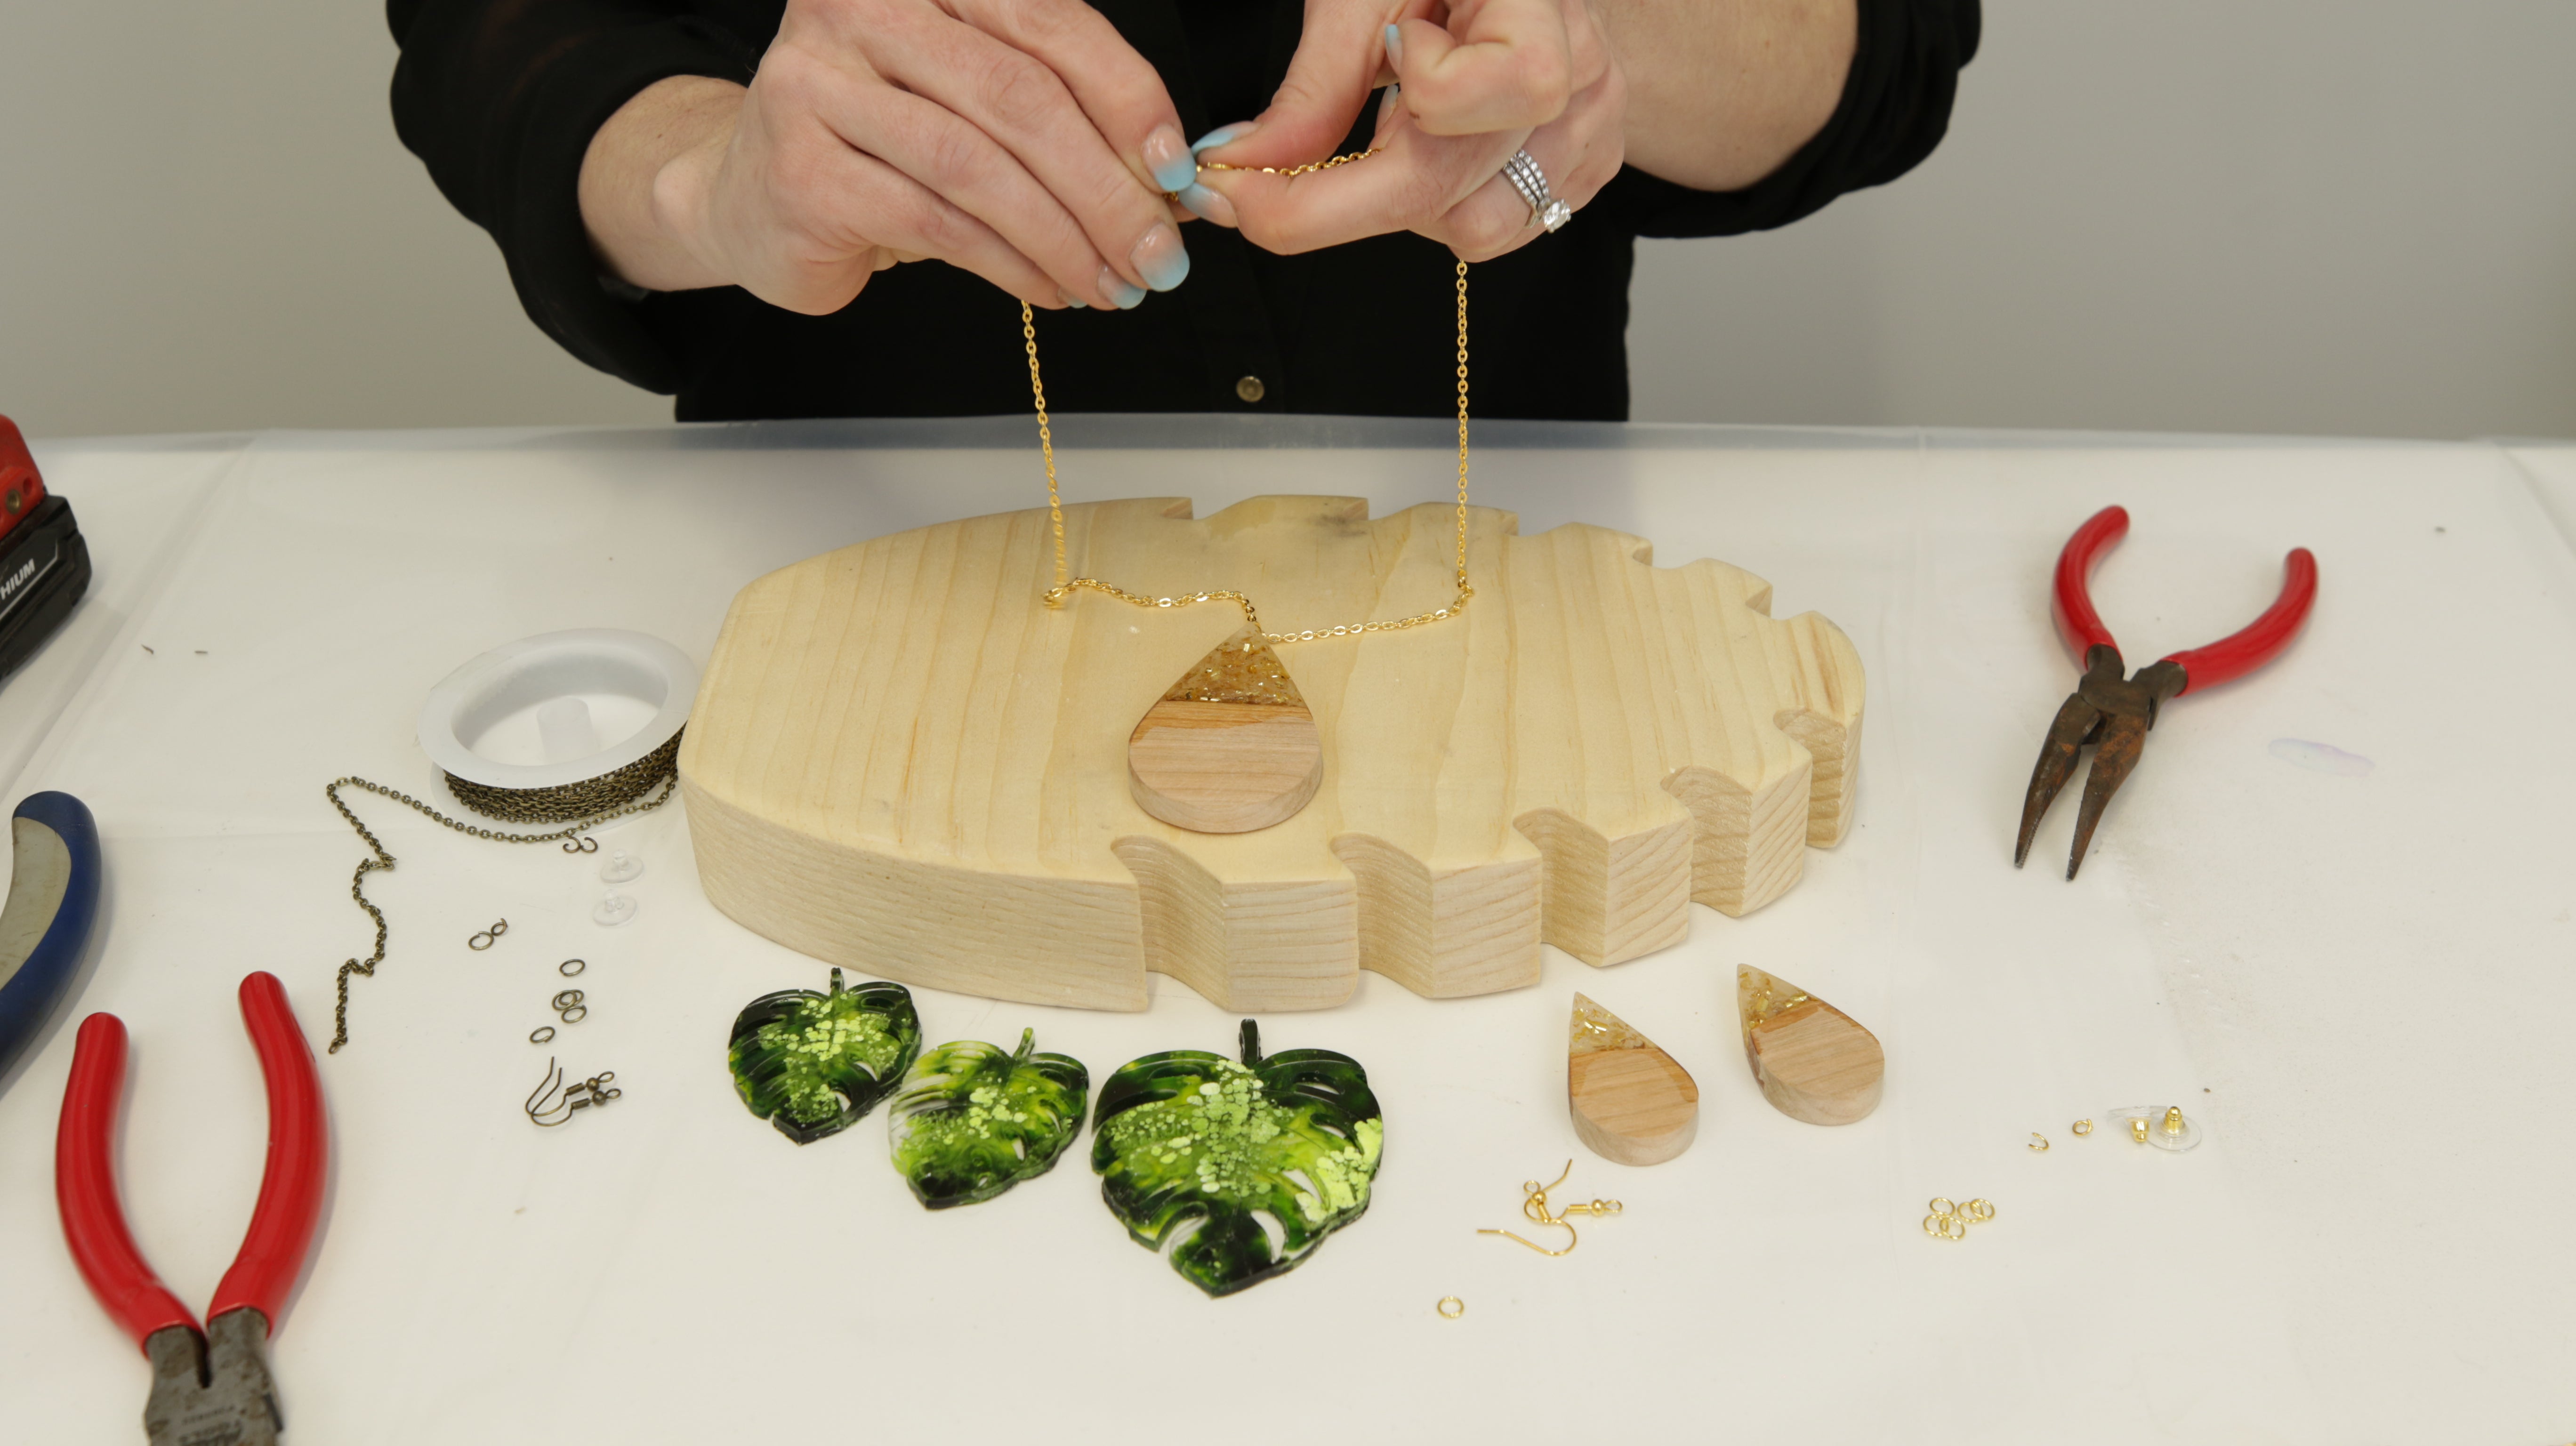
column 1207, row 205
column 1169, row 160
column 1394, row 48
column 1120, row 293
column 1222, row 135
column 1164, row 267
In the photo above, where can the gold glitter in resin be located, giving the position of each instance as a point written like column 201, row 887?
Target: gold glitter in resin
column 1242, row 669
column 1814, row 1062
column 1760, row 997
column 1596, row 1028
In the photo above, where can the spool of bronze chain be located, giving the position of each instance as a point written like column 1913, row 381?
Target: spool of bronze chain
column 513, row 680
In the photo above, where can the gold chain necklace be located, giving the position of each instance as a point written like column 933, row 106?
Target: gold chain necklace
column 1231, row 747
column 1065, row 587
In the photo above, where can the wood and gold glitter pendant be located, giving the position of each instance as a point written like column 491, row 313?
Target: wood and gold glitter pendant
column 1631, row 1102
column 1231, row 747
column 1814, row 1062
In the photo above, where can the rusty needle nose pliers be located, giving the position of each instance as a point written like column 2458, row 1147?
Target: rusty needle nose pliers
column 2113, row 711
column 210, row 1386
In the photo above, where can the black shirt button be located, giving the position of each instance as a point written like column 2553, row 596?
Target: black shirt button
column 1250, row 388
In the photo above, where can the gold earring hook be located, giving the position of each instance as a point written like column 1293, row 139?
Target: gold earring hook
column 1538, row 1191
column 1571, row 1239
column 1535, row 1207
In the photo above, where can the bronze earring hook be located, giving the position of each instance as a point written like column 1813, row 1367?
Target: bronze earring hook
column 594, row 1091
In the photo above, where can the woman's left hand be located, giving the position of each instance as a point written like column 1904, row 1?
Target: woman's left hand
column 1479, row 79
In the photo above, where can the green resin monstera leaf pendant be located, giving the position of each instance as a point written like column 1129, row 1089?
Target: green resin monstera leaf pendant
column 1193, row 1136
column 813, row 1064
column 971, row 1121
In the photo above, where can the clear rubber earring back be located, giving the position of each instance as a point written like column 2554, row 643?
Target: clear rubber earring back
column 619, row 867
column 614, row 908
column 2163, row 1126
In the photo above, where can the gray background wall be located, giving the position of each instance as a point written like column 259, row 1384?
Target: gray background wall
column 2329, row 216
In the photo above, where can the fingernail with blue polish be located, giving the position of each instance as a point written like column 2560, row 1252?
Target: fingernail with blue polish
column 1207, row 205
column 1394, row 48
column 1069, row 299
column 1119, row 291
column 1386, row 107
column 1223, row 136
column 1169, row 160
column 1161, row 258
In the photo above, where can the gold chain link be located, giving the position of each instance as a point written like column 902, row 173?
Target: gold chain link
column 1066, row 587
column 1307, row 169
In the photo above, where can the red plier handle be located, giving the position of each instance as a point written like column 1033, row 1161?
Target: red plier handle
column 2233, row 656
column 290, row 1191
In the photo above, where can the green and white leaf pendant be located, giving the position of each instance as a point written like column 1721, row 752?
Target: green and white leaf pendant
column 814, row 1064
column 1283, row 1146
column 972, row 1121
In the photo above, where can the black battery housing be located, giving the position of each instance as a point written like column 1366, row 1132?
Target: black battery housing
column 44, row 570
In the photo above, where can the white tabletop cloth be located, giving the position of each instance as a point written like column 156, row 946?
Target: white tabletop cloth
column 2357, row 981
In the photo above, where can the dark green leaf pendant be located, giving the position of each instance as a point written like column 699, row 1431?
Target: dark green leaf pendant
column 972, row 1121
column 815, row 1064
column 1193, row 1136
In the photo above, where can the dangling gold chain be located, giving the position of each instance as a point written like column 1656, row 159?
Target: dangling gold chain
column 1066, row 587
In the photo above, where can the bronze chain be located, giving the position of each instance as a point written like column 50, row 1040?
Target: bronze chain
column 580, row 806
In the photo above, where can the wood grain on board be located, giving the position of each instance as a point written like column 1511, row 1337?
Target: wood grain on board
column 900, row 761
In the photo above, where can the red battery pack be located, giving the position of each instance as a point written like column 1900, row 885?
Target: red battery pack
column 21, row 488
column 44, row 561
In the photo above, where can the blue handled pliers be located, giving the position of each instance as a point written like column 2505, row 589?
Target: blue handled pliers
column 44, row 926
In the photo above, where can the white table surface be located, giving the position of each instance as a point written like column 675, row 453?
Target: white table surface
column 2552, row 466
column 2360, row 985
column 136, row 498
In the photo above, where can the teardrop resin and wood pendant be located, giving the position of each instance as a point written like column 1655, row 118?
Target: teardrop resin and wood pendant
column 1231, row 748
column 1631, row 1102
column 1814, row 1062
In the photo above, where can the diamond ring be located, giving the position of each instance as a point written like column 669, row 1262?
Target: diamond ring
column 1526, row 178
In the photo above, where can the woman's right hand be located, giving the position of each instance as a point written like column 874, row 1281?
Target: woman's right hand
column 878, row 131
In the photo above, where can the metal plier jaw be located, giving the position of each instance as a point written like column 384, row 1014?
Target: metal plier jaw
column 2111, row 711
column 214, row 1389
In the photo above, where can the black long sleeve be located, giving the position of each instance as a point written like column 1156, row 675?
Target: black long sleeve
column 500, row 99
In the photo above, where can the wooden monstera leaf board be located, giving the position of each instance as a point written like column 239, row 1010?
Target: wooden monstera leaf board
column 901, row 762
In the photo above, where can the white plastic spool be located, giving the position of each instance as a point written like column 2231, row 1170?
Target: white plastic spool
column 558, row 708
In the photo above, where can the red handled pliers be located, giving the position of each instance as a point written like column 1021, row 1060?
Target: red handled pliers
column 211, row 1386
column 2113, row 711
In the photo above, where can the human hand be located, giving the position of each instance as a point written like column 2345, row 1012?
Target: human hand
column 1479, row 79
column 879, row 131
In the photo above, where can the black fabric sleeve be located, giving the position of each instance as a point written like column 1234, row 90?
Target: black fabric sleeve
column 500, row 99
column 1895, row 108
